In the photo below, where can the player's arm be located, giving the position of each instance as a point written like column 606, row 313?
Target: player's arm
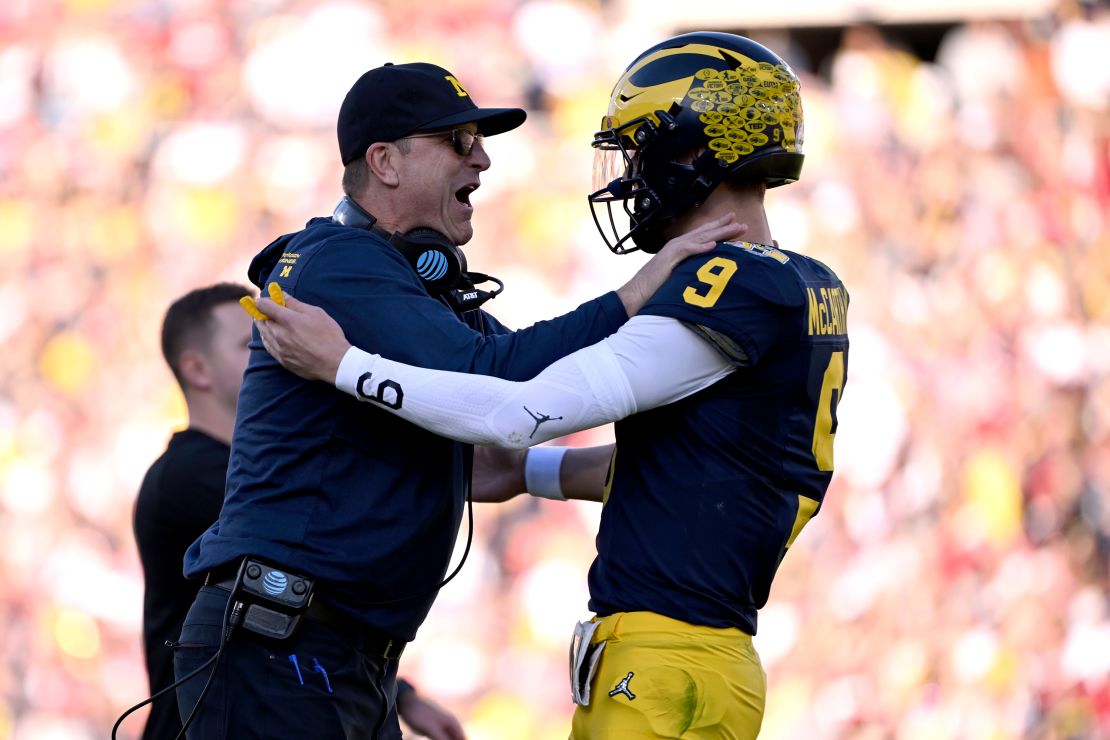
column 548, row 472
column 303, row 339
column 649, row 362
column 583, row 471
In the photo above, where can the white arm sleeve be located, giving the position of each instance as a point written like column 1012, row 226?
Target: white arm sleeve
column 651, row 361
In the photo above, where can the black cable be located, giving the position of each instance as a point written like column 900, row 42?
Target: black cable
column 214, row 659
column 469, row 541
column 445, row 581
column 224, row 635
column 144, row 702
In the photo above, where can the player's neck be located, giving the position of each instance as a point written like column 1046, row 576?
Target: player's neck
column 746, row 205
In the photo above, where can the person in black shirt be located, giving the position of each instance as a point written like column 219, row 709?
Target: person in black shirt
column 179, row 498
column 204, row 340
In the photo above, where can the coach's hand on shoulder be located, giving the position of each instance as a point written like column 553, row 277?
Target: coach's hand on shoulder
column 635, row 293
column 302, row 337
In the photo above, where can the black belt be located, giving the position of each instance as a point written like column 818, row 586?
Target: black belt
column 369, row 639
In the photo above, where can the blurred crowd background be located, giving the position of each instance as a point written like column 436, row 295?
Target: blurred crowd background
column 956, row 582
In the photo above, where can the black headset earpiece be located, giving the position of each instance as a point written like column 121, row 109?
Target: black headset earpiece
column 437, row 261
column 349, row 213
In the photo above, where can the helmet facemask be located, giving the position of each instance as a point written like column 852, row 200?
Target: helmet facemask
column 646, row 175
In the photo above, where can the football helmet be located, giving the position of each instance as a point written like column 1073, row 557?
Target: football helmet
column 688, row 113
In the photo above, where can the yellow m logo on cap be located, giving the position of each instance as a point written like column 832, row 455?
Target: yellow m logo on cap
column 458, row 86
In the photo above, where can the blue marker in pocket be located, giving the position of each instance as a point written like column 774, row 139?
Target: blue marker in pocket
column 317, row 667
column 297, row 666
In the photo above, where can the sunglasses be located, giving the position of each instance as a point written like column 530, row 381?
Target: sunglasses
column 462, row 139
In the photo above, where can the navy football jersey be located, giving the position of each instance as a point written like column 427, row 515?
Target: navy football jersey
column 706, row 494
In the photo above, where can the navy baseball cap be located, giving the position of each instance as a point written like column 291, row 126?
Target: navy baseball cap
column 394, row 100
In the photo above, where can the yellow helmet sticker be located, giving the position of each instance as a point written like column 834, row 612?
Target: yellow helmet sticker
column 742, row 109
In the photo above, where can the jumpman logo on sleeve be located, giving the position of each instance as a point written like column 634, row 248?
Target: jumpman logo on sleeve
column 539, row 419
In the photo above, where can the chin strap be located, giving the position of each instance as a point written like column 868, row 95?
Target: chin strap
column 466, row 296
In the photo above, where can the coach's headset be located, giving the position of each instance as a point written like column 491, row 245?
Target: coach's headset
column 440, row 264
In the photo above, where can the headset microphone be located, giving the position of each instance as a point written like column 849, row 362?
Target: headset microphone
column 467, row 297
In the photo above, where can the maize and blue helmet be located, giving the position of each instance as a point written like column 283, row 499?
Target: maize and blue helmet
column 687, row 114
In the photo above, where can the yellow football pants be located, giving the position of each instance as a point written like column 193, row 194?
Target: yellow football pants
column 663, row 678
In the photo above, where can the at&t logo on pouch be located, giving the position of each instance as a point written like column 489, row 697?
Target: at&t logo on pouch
column 274, row 582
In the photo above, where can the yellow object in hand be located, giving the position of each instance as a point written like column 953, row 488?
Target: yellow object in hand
column 275, row 294
column 251, row 308
column 249, row 305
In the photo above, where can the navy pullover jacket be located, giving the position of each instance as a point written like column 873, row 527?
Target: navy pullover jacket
column 342, row 491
